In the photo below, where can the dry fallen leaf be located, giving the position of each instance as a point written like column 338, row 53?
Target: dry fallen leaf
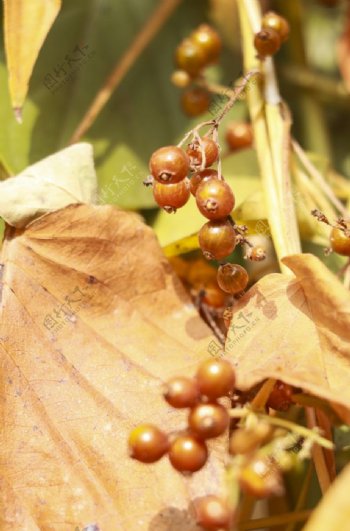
column 296, row 330
column 25, row 22
column 92, row 322
column 333, row 512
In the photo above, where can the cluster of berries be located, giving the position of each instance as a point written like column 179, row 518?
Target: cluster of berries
column 257, row 473
column 201, row 49
column 274, row 31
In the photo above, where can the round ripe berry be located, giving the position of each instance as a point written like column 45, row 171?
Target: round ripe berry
column 207, row 421
column 172, row 196
column 181, row 392
column 147, row 443
column 267, row 42
column 261, row 478
column 190, row 56
column 187, row 453
column 194, row 152
column 169, row 165
column 213, row 296
column 239, row 135
column 217, row 239
column 212, row 512
column 201, row 176
column 210, row 42
column 180, row 78
column 215, row 378
column 280, row 398
column 339, row 242
column 232, row 278
column 272, row 20
column 195, row 101
column 215, row 199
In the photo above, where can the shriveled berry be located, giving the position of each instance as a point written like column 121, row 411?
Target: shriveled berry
column 190, row 56
column 172, row 196
column 208, row 420
column 195, row 153
column 212, row 512
column 232, row 278
column 187, row 453
column 215, row 199
column 195, row 101
column 210, row 42
column 239, row 135
column 169, row 165
column 272, row 20
column 217, row 239
column 147, row 443
column 267, row 42
column 261, row 478
column 340, row 243
column 181, row 392
column 215, row 378
column 281, row 396
column 180, row 78
column 201, row 176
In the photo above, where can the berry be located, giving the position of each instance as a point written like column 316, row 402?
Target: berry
column 195, row 101
column 272, row 20
column 187, row 453
column 256, row 254
column 340, row 243
column 243, row 441
column 147, row 443
column 208, row 420
column 211, row 512
column 194, row 152
column 190, row 56
column 213, row 296
column 239, row 135
column 181, row 392
column 232, row 278
column 180, row 78
column 172, row 196
column 169, row 165
column 267, row 42
column 210, row 42
column 281, row 396
column 215, row 378
column 201, row 176
column 215, row 199
column 217, row 239
column 261, row 478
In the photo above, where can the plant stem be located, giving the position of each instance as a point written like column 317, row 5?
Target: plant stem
column 303, row 494
column 317, row 454
column 273, row 521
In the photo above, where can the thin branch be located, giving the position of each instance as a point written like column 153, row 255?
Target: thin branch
column 318, row 455
column 144, row 37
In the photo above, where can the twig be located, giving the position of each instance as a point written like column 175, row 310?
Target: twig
column 144, row 37
column 317, row 454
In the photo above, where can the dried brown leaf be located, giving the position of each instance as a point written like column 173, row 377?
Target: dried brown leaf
column 296, row 330
column 72, row 391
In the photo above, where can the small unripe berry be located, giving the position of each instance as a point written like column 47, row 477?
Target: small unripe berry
column 195, row 101
column 147, row 443
column 340, row 243
column 169, row 165
column 217, row 239
column 180, row 78
column 215, row 378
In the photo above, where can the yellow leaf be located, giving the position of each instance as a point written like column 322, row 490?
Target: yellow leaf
column 296, row 330
column 92, row 322
column 26, row 27
column 333, row 512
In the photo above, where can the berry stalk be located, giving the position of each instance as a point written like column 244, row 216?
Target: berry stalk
column 271, row 125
